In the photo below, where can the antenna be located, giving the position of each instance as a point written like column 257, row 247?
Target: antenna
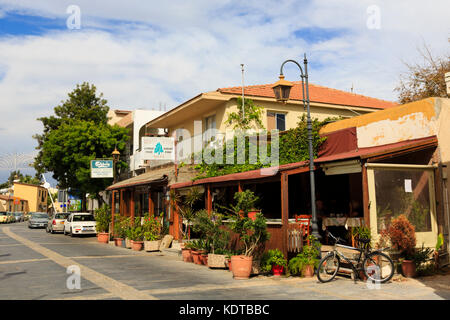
column 243, row 110
column 352, row 87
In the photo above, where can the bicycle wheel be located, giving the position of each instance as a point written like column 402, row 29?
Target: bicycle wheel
column 328, row 267
column 378, row 267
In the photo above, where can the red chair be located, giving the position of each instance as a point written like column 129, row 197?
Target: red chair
column 305, row 222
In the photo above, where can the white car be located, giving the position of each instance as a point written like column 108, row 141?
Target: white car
column 79, row 223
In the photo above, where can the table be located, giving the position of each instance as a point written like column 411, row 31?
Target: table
column 343, row 222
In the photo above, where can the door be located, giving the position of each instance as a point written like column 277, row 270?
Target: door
column 403, row 189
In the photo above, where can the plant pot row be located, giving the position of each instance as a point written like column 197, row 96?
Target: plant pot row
column 137, row 245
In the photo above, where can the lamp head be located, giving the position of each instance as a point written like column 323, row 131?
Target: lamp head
column 282, row 89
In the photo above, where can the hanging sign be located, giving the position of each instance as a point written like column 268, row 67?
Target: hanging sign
column 102, row 169
column 158, row 148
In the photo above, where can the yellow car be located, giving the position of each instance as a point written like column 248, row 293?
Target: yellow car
column 4, row 218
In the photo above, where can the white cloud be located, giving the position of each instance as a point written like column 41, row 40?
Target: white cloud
column 170, row 52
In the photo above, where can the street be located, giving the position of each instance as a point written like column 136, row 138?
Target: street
column 34, row 264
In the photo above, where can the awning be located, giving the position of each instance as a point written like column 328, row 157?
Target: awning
column 298, row 167
column 152, row 177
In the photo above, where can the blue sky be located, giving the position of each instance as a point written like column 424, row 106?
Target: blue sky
column 143, row 54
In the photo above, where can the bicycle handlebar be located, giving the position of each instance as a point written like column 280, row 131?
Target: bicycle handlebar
column 336, row 239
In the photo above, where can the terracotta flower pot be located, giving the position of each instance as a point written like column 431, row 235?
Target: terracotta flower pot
column 242, row 267
column 103, row 237
column 204, row 258
column 308, row 271
column 409, row 268
column 186, row 254
column 118, row 242
column 137, row 245
column 277, row 270
column 196, row 257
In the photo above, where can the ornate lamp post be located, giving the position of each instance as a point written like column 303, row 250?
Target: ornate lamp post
column 282, row 89
column 115, row 154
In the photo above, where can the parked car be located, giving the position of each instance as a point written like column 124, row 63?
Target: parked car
column 19, row 216
column 26, row 216
column 56, row 222
column 80, row 223
column 38, row 220
column 3, row 217
column 11, row 217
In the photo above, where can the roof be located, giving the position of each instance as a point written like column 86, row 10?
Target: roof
column 155, row 176
column 362, row 153
column 316, row 94
column 126, row 120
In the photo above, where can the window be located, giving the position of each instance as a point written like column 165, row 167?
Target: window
column 276, row 121
column 210, row 126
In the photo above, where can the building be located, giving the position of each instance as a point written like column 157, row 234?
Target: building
column 34, row 194
column 13, row 204
column 205, row 115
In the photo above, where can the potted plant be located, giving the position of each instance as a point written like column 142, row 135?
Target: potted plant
column 215, row 237
column 137, row 235
column 119, row 231
column 102, row 218
column 252, row 233
column 152, row 232
column 306, row 261
column 402, row 236
column 273, row 261
column 186, row 252
column 196, row 250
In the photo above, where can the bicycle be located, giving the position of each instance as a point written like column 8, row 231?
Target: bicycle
column 376, row 265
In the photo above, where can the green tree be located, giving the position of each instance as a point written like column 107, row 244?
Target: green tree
column 249, row 119
column 78, row 133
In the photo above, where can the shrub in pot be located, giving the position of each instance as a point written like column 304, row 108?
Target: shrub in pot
column 186, row 252
column 137, row 235
column 273, row 261
column 402, row 236
column 152, row 232
column 120, row 224
column 102, row 218
column 306, row 261
column 252, row 233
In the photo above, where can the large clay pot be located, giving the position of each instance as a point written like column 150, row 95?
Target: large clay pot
column 137, row 245
column 118, row 242
column 186, row 254
column 308, row 271
column 242, row 266
column 277, row 270
column 409, row 268
column 196, row 257
column 103, row 237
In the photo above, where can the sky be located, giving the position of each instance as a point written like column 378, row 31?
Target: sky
column 141, row 54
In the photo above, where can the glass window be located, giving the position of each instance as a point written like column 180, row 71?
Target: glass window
column 403, row 191
column 210, row 125
column 84, row 217
column 281, row 121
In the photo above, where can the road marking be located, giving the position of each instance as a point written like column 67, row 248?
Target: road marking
column 117, row 288
column 24, row 261
column 100, row 296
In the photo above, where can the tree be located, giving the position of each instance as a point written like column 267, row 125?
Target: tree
column 424, row 80
column 77, row 134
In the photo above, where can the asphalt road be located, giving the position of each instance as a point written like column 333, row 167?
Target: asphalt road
column 34, row 266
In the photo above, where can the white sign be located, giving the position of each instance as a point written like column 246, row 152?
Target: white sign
column 102, row 169
column 408, row 185
column 158, row 148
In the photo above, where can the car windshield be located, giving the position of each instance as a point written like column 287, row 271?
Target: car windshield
column 17, row 214
column 39, row 216
column 3, row 213
column 61, row 216
column 84, row 217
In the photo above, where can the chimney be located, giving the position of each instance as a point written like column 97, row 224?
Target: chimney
column 447, row 82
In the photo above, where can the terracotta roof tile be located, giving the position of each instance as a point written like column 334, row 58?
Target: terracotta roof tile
column 316, row 94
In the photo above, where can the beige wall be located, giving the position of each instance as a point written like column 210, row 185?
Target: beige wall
column 35, row 195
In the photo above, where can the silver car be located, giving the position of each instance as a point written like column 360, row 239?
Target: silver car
column 56, row 222
column 38, row 220
column 19, row 216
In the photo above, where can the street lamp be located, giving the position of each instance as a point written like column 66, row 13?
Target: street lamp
column 115, row 154
column 282, row 89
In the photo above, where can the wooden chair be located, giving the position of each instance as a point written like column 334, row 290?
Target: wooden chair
column 305, row 222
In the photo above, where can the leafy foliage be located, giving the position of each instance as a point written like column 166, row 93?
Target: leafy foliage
column 211, row 231
column 76, row 134
column 273, row 257
column 102, row 218
column 308, row 256
column 152, row 227
column 249, row 119
column 401, row 234
column 185, row 206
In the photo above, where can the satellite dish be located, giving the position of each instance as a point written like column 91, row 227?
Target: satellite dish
column 46, row 185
